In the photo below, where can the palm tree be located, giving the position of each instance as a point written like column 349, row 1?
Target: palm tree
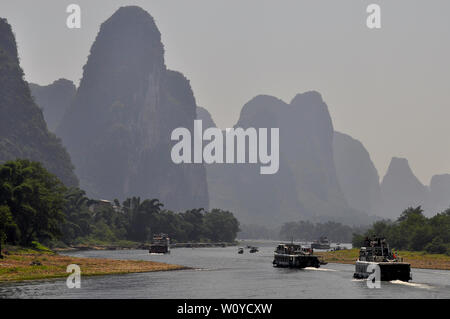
column 151, row 209
column 141, row 216
column 78, row 219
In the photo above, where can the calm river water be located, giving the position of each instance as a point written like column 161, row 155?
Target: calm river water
column 222, row 273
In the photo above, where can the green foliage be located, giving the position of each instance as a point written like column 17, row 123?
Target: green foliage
column 5, row 222
column 438, row 246
column 36, row 206
column 38, row 246
column 412, row 231
column 221, row 225
column 358, row 240
column 138, row 221
column 34, row 198
column 77, row 216
column 148, row 218
column 142, row 217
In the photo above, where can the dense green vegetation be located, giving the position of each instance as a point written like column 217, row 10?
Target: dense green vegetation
column 36, row 206
column 31, row 202
column 412, row 231
column 308, row 231
column 137, row 221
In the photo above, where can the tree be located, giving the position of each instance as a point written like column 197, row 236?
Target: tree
column 221, row 226
column 358, row 240
column 440, row 224
column 35, row 199
column 420, row 237
column 78, row 219
column 5, row 221
column 412, row 215
column 413, row 231
column 143, row 217
column 194, row 220
column 437, row 246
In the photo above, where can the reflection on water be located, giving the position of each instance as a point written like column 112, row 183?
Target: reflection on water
column 411, row 284
column 223, row 273
column 319, row 269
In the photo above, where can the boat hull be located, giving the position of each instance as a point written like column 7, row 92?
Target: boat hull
column 159, row 249
column 389, row 270
column 295, row 261
column 320, row 246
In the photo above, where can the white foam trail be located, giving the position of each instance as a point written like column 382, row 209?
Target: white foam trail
column 319, row 269
column 411, row 284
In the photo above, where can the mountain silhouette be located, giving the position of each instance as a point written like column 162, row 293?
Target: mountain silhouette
column 401, row 189
column 23, row 131
column 54, row 99
column 357, row 175
column 119, row 125
column 306, row 185
column 439, row 198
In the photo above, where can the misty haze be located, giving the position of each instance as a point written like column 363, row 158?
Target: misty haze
column 105, row 122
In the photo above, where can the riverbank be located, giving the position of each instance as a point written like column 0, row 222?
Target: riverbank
column 21, row 264
column 417, row 259
column 135, row 245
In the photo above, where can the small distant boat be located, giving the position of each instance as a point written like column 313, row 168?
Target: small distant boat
column 322, row 243
column 160, row 244
column 240, row 250
column 253, row 250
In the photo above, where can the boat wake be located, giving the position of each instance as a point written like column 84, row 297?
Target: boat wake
column 319, row 269
column 411, row 284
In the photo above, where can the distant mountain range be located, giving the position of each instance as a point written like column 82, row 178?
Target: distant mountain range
column 117, row 124
column 306, row 185
column 400, row 188
column 309, row 184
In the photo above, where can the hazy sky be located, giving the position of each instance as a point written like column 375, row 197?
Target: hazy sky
column 389, row 88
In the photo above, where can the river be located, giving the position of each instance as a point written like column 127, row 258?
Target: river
column 222, row 273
